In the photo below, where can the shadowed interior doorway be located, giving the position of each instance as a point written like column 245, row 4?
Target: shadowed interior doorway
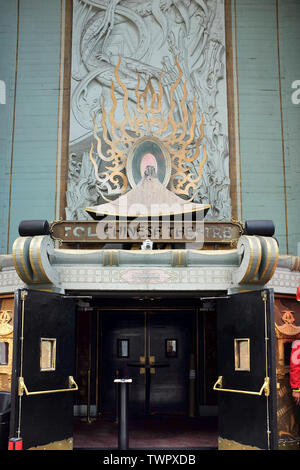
column 170, row 355
column 154, row 349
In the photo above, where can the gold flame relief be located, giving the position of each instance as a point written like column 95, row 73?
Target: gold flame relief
column 149, row 119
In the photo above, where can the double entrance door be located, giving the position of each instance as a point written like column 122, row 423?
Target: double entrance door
column 154, row 348
column 134, row 341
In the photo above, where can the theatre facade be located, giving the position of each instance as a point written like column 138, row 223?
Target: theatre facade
column 152, row 244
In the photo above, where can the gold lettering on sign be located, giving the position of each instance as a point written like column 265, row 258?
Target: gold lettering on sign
column 126, row 232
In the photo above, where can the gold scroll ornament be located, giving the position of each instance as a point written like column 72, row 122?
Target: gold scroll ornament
column 149, row 119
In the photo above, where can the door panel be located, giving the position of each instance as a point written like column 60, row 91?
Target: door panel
column 123, row 326
column 163, row 387
column 43, row 361
column 246, row 361
column 170, row 384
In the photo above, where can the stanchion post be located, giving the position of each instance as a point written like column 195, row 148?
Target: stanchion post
column 123, row 437
column 117, row 374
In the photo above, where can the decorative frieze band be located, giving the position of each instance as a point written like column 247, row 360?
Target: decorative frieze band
column 37, row 262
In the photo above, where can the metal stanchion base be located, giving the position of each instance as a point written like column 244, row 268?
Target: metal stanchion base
column 123, row 438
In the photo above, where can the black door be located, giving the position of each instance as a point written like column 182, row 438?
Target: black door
column 123, row 342
column 170, row 340
column 43, row 385
column 153, row 348
column 246, row 385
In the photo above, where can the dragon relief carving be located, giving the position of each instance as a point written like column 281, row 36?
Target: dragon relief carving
column 146, row 41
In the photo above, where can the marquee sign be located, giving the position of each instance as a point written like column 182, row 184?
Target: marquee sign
column 118, row 232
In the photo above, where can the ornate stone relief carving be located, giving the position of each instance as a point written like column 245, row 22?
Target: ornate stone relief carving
column 148, row 36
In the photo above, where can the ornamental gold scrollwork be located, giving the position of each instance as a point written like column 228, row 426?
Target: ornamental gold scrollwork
column 52, row 228
column 149, row 119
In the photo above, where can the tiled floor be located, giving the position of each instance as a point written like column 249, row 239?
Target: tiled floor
column 153, row 432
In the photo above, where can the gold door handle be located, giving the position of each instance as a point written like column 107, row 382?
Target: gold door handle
column 264, row 389
column 142, row 361
column 152, row 362
column 22, row 388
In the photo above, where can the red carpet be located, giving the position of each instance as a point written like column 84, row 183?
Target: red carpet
column 154, row 432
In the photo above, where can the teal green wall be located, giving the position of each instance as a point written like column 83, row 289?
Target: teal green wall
column 33, row 129
column 289, row 34
column 8, row 41
column 269, row 146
